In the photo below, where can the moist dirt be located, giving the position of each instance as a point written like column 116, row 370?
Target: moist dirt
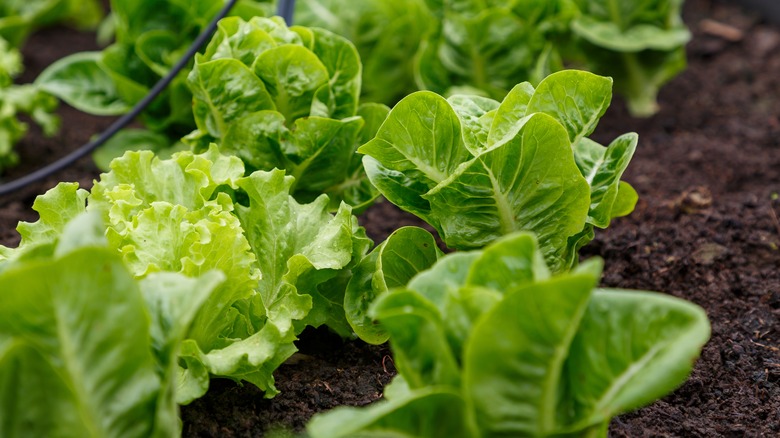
column 706, row 229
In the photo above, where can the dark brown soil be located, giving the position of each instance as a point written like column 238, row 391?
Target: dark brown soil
column 706, row 229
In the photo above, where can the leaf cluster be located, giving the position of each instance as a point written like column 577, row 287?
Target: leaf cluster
column 286, row 265
column 486, row 46
column 286, row 98
column 490, row 343
column 16, row 100
column 477, row 169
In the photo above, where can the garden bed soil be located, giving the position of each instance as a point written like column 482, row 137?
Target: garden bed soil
column 706, row 229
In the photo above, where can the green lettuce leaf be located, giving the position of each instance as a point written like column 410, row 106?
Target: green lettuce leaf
column 640, row 44
column 488, row 343
column 76, row 338
column 477, row 169
column 286, row 98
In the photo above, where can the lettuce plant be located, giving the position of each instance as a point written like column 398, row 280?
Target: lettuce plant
column 486, row 47
column 18, row 100
column 385, row 34
column 477, row 169
column 86, row 349
column 490, row 343
column 641, row 44
column 150, row 36
column 286, row 98
column 18, row 19
column 286, row 264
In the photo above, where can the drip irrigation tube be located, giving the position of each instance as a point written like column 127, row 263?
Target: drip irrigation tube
column 123, row 121
column 285, row 10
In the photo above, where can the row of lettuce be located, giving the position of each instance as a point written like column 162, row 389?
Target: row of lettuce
column 446, row 46
column 122, row 302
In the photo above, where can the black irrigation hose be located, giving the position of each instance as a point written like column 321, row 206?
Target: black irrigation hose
column 115, row 127
column 285, row 10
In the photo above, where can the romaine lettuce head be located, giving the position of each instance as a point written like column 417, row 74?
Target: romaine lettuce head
column 491, row 343
column 286, row 98
column 477, row 169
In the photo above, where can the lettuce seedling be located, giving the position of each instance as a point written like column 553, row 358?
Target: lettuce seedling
column 490, row 343
column 86, row 349
column 286, row 98
column 477, row 169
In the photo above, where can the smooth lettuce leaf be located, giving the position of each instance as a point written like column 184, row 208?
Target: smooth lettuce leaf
column 76, row 337
column 602, row 168
column 80, row 82
column 640, row 44
column 519, row 352
column 405, row 253
column 477, row 169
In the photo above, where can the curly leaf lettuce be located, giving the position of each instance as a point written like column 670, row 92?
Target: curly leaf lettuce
column 286, row 264
column 501, row 347
column 477, row 169
column 194, row 213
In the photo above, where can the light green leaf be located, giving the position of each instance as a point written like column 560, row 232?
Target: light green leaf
column 602, row 167
column 56, row 208
column 530, row 330
column 299, row 247
column 237, row 40
column 291, row 74
column 82, row 84
column 506, row 120
column 509, row 262
column 475, row 114
column 626, row 200
column 577, row 99
column 256, row 138
column 528, row 183
column 634, row 347
column 405, row 253
column 424, row 360
column 81, row 351
column 342, row 62
column 224, row 90
column 418, row 146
